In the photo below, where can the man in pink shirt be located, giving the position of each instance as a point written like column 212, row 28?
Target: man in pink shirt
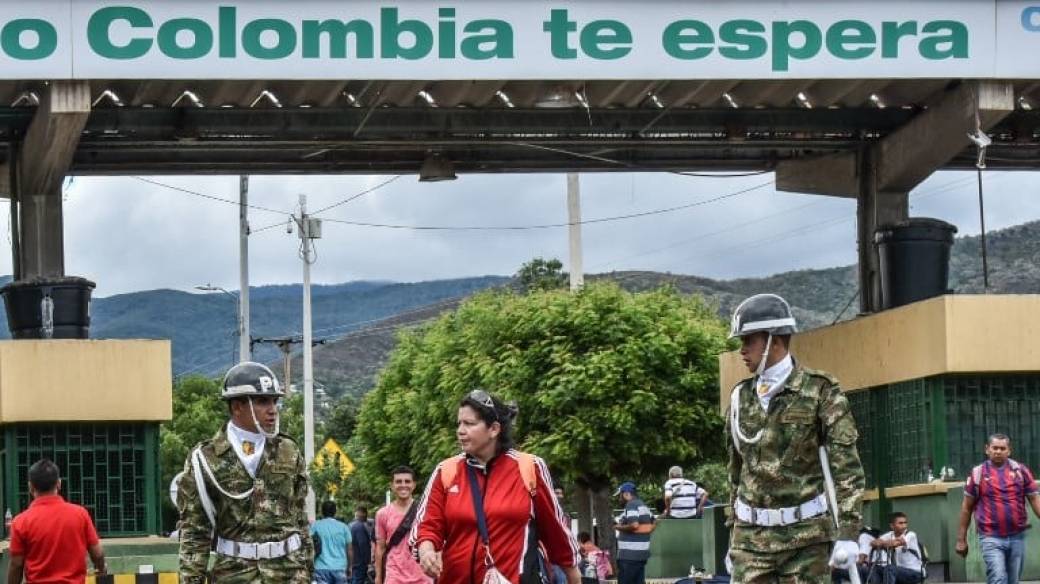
column 394, row 561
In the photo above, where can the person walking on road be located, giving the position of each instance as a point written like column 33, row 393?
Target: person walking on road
column 996, row 493
column 394, row 561
column 242, row 493
column 361, row 538
column 51, row 537
column 334, row 562
column 796, row 481
column 486, row 512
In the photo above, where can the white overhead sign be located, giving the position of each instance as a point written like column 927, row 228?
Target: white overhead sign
column 507, row 39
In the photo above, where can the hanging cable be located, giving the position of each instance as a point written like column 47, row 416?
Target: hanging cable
column 982, row 239
column 981, row 140
column 847, row 305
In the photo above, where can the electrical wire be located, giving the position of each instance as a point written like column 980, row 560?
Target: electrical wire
column 205, row 196
column 334, row 205
column 548, row 225
column 933, row 191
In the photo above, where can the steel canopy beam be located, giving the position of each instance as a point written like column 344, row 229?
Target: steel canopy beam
column 912, row 152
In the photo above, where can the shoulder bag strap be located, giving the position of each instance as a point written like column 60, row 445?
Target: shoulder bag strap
column 403, row 529
column 478, row 509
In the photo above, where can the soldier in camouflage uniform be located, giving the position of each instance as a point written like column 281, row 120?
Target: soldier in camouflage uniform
column 784, row 521
column 242, row 493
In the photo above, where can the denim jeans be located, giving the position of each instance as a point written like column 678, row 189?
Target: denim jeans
column 330, row 576
column 630, row 572
column 1004, row 557
column 901, row 575
column 358, row 574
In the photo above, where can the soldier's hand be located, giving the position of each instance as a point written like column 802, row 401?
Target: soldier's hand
column 962, row 548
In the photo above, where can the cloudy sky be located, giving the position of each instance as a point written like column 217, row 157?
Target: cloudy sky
column 128, row 235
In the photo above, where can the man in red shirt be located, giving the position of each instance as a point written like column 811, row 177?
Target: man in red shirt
column 997, row 491
column 50, row 538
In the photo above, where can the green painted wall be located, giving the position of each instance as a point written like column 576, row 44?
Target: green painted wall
column 678, row 544
column 124, row 558
column 674, row 546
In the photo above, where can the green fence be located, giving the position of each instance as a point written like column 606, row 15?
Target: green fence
column 910, row 431
column 112, row 469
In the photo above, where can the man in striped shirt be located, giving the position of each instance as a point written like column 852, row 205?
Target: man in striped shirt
column 683, row 498
column 633, row 527
column 997, row 491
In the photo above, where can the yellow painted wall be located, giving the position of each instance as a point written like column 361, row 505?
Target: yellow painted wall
column 85, row 380
column 948, row 334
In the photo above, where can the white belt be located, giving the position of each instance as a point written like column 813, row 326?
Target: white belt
column 267, row 550
column 783, row 516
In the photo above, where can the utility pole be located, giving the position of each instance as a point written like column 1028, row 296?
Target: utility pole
column 574, row 231
column 310, row 229
column 285, row 345
column 244, row 346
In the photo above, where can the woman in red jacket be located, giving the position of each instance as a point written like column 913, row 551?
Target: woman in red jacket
column 446, row 535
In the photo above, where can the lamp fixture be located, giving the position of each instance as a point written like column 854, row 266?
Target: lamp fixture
column 557, row 97
column 436, row 168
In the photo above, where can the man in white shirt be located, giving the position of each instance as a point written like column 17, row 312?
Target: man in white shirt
column 683, row 498
column 904, row 551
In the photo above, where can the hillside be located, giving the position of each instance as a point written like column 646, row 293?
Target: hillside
column 360, row 319
column 203, row 327
column 817, row 298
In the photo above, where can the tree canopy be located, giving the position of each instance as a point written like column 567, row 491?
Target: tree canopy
column 542, row 274
column 610, row 385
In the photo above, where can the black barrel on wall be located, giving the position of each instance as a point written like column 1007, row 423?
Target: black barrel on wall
column 915, row 260
column 49, row 308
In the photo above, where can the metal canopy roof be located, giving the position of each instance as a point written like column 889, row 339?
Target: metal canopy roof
column 384, row 127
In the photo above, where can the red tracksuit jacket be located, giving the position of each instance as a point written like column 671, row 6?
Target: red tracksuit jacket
column 446, row 518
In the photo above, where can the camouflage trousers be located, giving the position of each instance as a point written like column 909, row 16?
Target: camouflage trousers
column 804, row 565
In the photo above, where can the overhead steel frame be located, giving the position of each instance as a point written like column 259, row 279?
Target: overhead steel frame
column 876, row 155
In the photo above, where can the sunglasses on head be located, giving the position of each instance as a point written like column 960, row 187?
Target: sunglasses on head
column 482, row 397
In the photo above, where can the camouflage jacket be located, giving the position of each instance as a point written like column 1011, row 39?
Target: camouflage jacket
column 783, row 469
column 274, row 512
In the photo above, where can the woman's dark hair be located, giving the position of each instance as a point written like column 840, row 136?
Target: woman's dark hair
column 498, row 411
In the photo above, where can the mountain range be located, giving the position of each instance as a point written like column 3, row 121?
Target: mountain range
column 357, row 321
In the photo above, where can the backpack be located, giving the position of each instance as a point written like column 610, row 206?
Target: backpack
column 535, row 565
column 450, row 468
column 976, row 473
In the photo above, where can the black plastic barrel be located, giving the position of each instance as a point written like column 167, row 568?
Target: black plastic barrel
column 915, row 260
column 48, row 308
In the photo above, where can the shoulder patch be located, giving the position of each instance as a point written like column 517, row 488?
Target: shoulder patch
column 287, row 438
column 820, row 375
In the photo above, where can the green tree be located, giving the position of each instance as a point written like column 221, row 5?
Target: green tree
column 611, row 385
column 340, row 422
column 542, row 274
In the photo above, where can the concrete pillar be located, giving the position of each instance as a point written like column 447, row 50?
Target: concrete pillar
column 42, row 242
column 882, row 173
column 874, row 209
column 43, row 160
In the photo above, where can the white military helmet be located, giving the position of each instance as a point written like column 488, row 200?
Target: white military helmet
column 250, row 379
column 767, row 313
